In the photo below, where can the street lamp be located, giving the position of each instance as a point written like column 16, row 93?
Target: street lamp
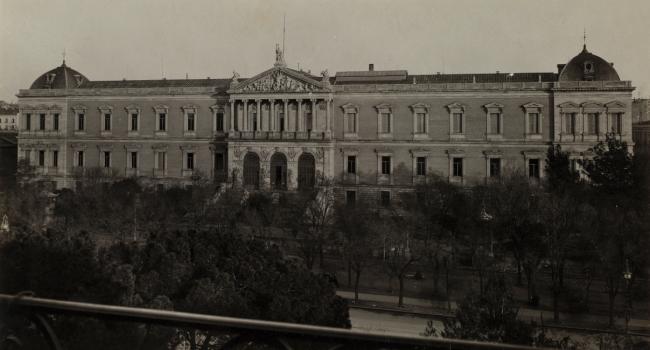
column 485, row 217
column 627, row 275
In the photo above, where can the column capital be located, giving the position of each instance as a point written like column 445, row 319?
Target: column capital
column 285, row 100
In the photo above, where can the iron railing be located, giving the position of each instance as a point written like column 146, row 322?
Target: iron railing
column 244, row 333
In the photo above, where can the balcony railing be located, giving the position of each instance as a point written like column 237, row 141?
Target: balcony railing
column 279, row 135
column 241, row 333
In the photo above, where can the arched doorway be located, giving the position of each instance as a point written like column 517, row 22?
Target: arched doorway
column 279, row 171
column 306, row 171
column 252, row 170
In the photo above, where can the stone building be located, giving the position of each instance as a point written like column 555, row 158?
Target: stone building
column 372, row 133
column 8, row 117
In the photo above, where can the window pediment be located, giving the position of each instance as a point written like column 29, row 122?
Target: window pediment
column 105, row 109
column 456, row 107
column 132, row 109
column 532, row 106
column 384, row 108
column 420, row 107
column 455, row 152
column 160, row 108
column 189, row 108
column 592, row 107
column 79, row 108
column 615, row 106
column 569, row 107
column 492, row 153
column 217, row 108
column 350, row 108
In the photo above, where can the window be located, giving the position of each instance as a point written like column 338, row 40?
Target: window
column 254, row 117
column 569, row 123
column 162, row 121
column 190, row 121
column 161, row 160
column 28, row 121
column 351, row 123
column 134, row 160
column 495, row 123
column 421, row 166
column 533, row 123
column 350, row 197
column 352, row 164
column 533, row 168
column 107, row 159
column 80, row 158
column 457, row 167
column 617, row 123
column 55, row 159
column 420, row 123
column 384, row 126
column 134, row 121
column 219, row 162
column 592, row 123
column 385, row 165
column 55, row 121
column 220, row 121
column 107, row 122
column 385, row 198
column 190, row 161
column 495, row 167
column 41, row 122
column 81, row 119
column 41, row 158
column 457, row 123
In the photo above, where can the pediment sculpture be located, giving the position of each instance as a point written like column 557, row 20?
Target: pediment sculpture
column 280, row 82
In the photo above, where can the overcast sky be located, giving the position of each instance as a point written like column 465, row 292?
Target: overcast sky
column 148, row 39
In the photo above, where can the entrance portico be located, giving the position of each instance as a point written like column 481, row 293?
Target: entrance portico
column 276, row 118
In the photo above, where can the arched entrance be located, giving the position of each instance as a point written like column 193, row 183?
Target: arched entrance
column 279, row 171
column 306, row 171
column 252, row 170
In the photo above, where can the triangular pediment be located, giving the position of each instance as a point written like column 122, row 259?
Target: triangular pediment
column 592, row 105
column 615, row 104
column 568, row 105
column 279, row 80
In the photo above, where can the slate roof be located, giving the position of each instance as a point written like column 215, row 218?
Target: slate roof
column 155, row 83
column 455, row 78
column 61, row 77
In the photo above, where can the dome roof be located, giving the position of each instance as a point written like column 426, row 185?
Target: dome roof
column 62, row 77
column 587, row 66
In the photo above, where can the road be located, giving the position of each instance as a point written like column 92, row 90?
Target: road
column 387, row 322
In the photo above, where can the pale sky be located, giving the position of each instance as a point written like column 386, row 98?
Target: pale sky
column 146, row 39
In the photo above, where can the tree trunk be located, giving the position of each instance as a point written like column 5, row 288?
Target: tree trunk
column 356, row 284
column 447, row 287
column 612, row 298
column 400, row 301
column 349, row 273
column 321, row 256
column 519, row 282
column 561, row 274
column 556, row 312
column 436, row 275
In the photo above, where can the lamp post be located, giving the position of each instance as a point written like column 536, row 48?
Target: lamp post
column 627, row 275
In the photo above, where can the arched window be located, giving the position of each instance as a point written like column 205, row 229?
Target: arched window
column 306, row 171
column 279, row 171
column 252, row 170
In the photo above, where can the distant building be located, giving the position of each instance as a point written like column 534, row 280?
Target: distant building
column 374, row 133
column 8, row 117
column 640, row 110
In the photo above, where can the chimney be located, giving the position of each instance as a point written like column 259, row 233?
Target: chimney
column 371, row 67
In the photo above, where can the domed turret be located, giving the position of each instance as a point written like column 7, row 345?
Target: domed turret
column 62, row 77
column 587, row 66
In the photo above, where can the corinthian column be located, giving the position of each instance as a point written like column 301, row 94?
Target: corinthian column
column 232, row 115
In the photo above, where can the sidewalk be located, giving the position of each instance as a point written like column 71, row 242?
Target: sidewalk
column 426, row 306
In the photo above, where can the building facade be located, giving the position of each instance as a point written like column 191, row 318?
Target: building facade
column 372, row 133
column 8, row 117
